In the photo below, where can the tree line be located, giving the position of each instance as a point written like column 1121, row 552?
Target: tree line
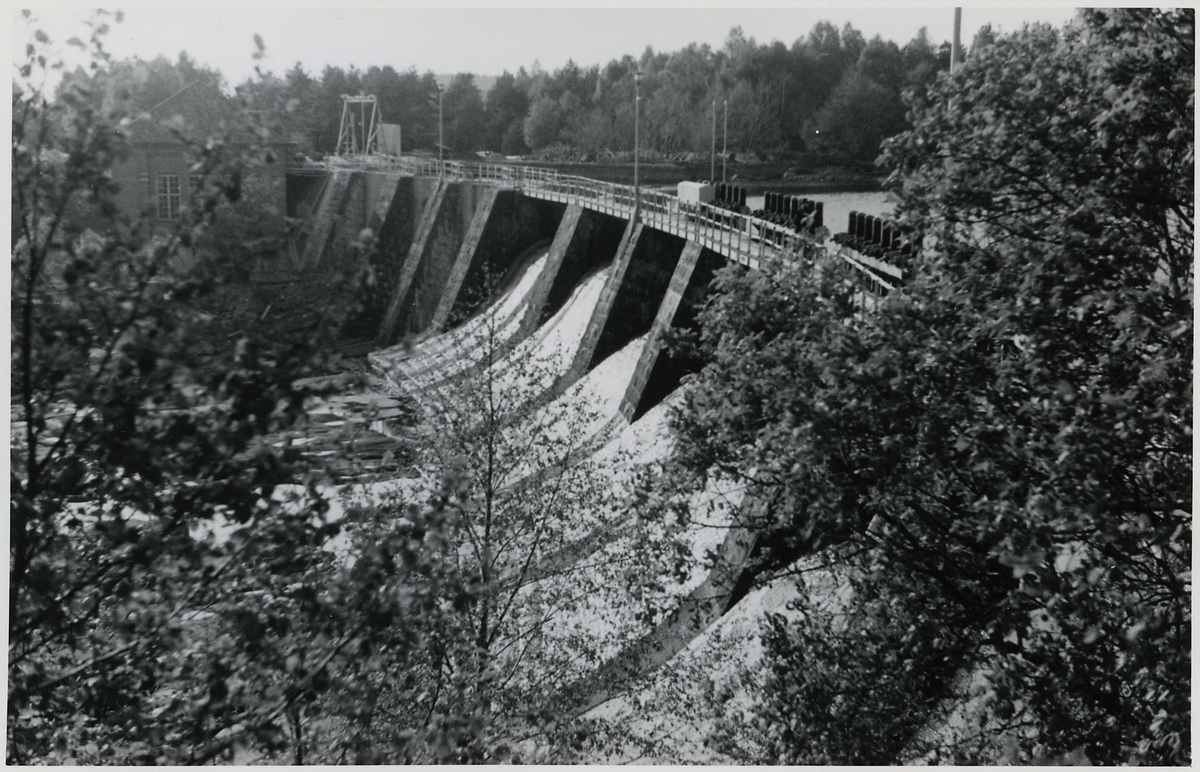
column 832, row 92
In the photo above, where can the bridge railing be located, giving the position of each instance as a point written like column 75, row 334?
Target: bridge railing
column 746, row 239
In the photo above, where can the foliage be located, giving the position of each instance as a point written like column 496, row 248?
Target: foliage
column 464, row 106
column 184, row 586
column 869, row 680
column 505, row 105
column 1010, row 432
column 154, row 555
column 515, row 500
column 860, row 113
column 543, row 124
column 774, row 94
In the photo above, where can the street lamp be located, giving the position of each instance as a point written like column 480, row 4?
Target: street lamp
column 637, row 105
column 712, row 156
column 725, row 142
column 956, row 47
column 441, row 90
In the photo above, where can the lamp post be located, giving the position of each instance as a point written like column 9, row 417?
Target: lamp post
column 724, row 141
column 441, row 90
column 637, row 106
column 956, row 47
column 712, row 156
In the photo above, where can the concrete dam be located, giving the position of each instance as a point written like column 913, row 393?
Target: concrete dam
column 571, row 280
column 451, row 236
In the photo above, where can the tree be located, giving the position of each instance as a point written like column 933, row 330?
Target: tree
column 1003, row 446
column 154, row 554
column 984, row 37
column 464, row 113
column 543, row 123
column 416, row 108
column 335, row 83
column 506, row 105
column 858, row 115
column 883, row 63
column 922, row 63
column 513, row 501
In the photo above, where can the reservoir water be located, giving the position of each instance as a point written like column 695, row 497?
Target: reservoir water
column 838, row 206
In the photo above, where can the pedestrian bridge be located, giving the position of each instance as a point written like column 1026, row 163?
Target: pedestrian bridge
column 447, row 236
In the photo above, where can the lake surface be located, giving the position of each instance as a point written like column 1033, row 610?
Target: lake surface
column 838, row 206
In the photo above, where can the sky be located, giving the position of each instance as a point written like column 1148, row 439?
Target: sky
column 486, row 39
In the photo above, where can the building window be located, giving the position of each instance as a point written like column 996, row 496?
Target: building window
column 168, row 196
column 195, row 182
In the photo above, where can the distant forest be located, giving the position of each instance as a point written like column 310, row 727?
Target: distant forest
column 833, row 96
column 832, row 93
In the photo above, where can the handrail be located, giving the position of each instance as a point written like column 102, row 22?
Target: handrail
column 744, row 238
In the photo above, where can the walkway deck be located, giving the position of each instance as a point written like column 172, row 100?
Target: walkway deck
column 741, row 238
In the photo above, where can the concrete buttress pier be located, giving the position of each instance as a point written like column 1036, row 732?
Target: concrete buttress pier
column 630, row 300
column 351, row 219
column 658, row 373
column 462, row 251
column 328, row 207
column 514, row 226
column 399, row 295
column 585, row 241
column 396, row 205
column 464, row 260
column 444, row 249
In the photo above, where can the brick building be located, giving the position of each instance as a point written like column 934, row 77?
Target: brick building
column 157, row 177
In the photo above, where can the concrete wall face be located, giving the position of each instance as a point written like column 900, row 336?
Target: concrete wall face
column 413, row 259
column 667, row 371
column 445, row 249
column 436, row 262
column 593, row 246
column 467, row 255
column 349, row 219
column 394, row 234
column 516, row 224
column 641, row 291
column 301, row 193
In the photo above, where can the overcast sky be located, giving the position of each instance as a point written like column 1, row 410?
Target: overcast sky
column 485, row 40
